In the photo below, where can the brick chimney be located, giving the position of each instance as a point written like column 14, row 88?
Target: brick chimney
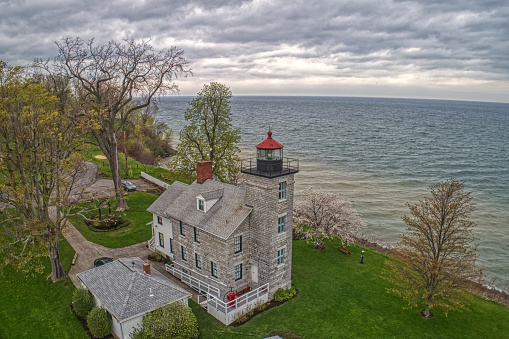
column 146, row 268
column 203, row 171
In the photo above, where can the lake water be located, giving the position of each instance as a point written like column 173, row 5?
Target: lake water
column 382, row 153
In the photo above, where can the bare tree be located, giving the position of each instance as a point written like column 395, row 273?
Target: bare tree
column 326, row 215
column 436, row 257
column 115, row 80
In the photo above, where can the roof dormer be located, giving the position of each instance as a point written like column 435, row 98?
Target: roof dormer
column 205, row 201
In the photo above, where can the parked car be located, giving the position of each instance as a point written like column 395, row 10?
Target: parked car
column 101, row 261
column 128, row 186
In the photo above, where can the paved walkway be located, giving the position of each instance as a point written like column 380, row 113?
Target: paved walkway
column 88, row 251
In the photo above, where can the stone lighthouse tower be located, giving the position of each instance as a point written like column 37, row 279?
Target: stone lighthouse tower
column 269, row 184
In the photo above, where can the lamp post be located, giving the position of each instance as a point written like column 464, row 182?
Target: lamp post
column 362, row 257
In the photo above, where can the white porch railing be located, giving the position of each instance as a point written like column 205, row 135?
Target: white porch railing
column 152, row 244
column 226, row 312
column 201, row 286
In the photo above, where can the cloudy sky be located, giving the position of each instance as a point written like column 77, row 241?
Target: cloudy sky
column 446, row 49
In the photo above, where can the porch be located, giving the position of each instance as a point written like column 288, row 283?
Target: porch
column 213, row 292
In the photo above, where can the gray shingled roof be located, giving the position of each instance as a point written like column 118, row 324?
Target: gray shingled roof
column 179, row 202
column 213, row 194
column 124, row 289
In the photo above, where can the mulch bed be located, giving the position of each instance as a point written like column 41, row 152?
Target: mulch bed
column 83, row 322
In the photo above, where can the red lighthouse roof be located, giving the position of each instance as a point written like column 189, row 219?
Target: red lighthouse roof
column 269, row 143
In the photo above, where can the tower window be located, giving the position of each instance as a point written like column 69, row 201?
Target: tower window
column 237, row 244
column 159, row 220
column 281, row 224
column 238, row 272
column 282, row 190
column 281, row 256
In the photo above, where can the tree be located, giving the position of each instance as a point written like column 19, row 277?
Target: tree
column 40, row 167
column 209, row 135
column 115, row 80
column 326, row 215
column 175, row 321
column 436, row 257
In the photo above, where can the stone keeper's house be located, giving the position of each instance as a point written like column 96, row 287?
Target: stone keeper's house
column 224, row 238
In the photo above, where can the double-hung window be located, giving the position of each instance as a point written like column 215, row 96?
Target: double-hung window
column 159, row 220
column 282, row 190
column 281, row 224
column 213, row 269
column 197, row 260
column 201, row 205
column 183, row 253
column 237, row 244
column 197, row 235
column 161, row 240
column 281, row 256
column 238, row 272
column 182, row 230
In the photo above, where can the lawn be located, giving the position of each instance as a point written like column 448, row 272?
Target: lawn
column 134, row 168
column 340, row 298
column 33, row 307
column 134, row 233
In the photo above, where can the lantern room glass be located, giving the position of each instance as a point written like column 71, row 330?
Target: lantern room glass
column 270, row 154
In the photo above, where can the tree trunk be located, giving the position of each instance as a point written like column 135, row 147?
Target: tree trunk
column 112, row 157
column 115, row 172
column 427, row 313
column 57, row 269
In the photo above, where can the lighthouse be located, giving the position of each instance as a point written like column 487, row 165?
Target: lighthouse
column 269, row 184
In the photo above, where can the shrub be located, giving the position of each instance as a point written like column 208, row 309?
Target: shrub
column 99, row 323
column 82, row 302
column 175, row 321
column 284, row 294
column 156, row 256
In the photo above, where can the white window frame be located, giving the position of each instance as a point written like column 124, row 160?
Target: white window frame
column 200, row 204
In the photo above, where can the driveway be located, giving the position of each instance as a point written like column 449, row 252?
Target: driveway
column 88, row 251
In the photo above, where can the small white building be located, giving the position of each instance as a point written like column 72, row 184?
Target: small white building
column 128, row 289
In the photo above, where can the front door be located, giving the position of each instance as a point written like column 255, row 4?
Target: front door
column 254, row 272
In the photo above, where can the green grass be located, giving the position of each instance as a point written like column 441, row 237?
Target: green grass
column 340, row 298
column 137, row 231
column 135, row 166
column 33, row 307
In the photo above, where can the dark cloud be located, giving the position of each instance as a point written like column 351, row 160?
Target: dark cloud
column 443, row 45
